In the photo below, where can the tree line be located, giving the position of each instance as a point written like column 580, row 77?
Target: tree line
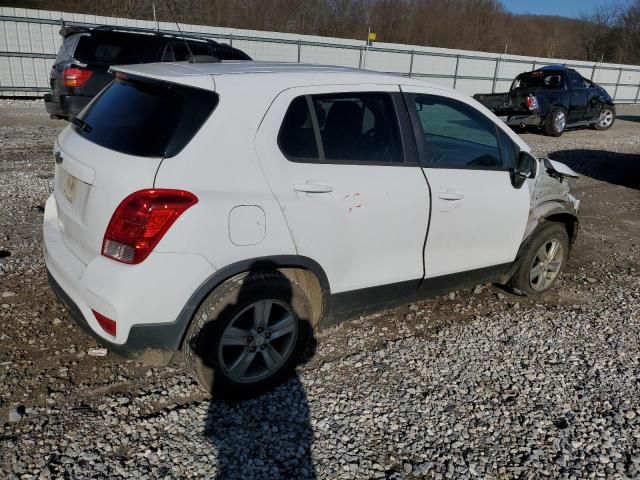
column 608, row 33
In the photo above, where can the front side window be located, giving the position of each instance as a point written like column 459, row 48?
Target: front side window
column 455, row 135
column 575, row 79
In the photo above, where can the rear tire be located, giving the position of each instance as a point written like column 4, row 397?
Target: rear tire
column 235, row 349
column 606, row 119
column 555, row 123
column 545, row 256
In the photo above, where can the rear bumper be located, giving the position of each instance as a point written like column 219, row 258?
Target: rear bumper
column 147, row 301
column 67, row 105
column 526, row 120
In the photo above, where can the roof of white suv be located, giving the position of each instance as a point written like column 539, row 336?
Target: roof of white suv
column 200, row 74
column 179, row 69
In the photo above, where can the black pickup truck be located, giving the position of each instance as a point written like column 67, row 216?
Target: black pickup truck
column 551, row 99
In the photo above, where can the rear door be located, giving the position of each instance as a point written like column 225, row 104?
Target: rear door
column 115, row 149
column 341, row 162
column 478, row 218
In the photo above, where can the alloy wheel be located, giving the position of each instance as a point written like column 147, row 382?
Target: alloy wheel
column 606, row 118
column 546, row 265
column 258, row 341
column 560, row 121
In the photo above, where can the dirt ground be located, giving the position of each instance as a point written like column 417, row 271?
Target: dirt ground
column 44, row 360
column 43, row 355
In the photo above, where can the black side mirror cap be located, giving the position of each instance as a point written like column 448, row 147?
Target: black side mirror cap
column 526, row 167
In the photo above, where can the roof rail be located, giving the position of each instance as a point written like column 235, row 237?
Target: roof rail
column 203, row 59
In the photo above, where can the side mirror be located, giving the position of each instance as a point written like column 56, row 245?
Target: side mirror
column 525, row 168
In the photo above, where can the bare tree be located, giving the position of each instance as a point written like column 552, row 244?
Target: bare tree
column 609, row 32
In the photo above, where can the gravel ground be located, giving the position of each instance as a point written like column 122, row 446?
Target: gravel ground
column 476, row 384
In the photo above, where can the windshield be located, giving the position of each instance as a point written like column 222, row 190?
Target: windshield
column 145, row 118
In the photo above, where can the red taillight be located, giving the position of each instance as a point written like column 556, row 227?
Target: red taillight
column 75, row 77
column 141, row 220
column 532, row 103
column 107, row 324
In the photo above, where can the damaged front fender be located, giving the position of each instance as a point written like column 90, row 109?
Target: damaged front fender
column 551, row 199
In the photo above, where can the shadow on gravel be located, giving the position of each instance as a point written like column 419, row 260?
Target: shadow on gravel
column 269, row 436
column 611, row 167
column 629, row 118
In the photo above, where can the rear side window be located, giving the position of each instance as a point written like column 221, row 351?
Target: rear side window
column 68, row 47
column 178, row 52
column 358, row 127
column 297, row 137
column 456, row 135
column 540, row 79
column 146, row 118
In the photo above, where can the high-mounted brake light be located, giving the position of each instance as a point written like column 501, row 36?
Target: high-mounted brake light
column 532, row 103
column 140, row 222
column 75, row 77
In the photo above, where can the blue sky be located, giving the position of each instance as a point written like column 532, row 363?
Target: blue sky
column 565, row 8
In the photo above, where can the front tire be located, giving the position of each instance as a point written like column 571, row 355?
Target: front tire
column 555, row 123
column 606, row 119
column 545, row 256
column 248, row 335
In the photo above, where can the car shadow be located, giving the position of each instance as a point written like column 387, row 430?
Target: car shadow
column 629, row 118
column 612, row 167
column 268, row 436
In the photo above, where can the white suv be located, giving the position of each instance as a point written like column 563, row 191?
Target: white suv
column 224, row 210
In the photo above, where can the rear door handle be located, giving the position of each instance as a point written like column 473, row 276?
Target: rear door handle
column 450, row 195
column 313, row 188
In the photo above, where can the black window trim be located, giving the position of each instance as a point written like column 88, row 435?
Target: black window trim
column 410, row 157
column 417, row 128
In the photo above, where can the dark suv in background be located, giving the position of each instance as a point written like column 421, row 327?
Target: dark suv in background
column 81, row 68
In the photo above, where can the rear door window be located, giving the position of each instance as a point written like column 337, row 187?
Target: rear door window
column 146, row 118
column 358, row 127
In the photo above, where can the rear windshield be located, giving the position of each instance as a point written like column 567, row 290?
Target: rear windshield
column 539, row 79
column 146, row 118
column 117, row 48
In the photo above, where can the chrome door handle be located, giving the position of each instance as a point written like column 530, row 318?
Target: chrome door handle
column 313, row 188
column 450, row 195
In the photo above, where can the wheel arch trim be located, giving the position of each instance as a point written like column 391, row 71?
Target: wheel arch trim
column 551, row 211
column 268, row 263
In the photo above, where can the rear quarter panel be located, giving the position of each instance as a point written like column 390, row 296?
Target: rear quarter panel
column 221, row 168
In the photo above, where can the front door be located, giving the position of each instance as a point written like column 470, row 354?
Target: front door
column 478, row 217
column 577, row 97
column 349, row 184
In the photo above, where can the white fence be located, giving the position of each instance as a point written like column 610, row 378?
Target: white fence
column 29, row 41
